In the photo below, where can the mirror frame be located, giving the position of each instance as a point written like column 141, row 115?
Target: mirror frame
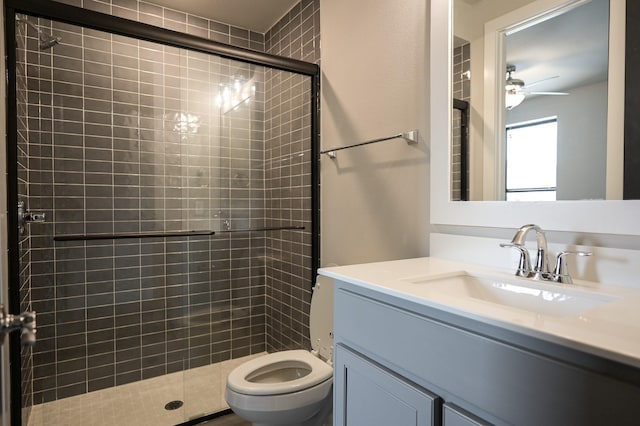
column 591, row 216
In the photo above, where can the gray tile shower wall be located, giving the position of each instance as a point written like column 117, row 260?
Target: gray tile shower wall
column 23, row 194
column 102, row 161
column 129, row 136
column 288, row 179
column 134, row 144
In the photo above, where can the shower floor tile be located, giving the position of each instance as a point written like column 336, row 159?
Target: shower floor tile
column 143, row 403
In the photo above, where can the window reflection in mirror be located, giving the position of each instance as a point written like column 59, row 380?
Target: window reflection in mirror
column 554, row 65
column 531, row 159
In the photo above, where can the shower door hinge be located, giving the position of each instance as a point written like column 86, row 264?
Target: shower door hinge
column 25, row 217
column 25, row 322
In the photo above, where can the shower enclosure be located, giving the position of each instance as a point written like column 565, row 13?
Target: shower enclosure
column 178, row 178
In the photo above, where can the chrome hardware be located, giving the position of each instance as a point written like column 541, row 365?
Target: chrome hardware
column 541, row 269
column 26, row 322
column 25, row 217
column 561, row 270
column 524, row 265
column 411, row 137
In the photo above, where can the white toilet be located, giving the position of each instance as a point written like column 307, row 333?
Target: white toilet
column 290, row 387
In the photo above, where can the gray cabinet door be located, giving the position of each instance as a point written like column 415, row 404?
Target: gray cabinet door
column 453, row 416
column 368, row 395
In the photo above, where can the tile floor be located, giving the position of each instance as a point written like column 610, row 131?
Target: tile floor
column 142, row 403
column 228, row 420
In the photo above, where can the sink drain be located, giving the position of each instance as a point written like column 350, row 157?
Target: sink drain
column 173, row 405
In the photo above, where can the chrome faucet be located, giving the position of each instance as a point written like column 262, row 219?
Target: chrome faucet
column 541, row 270
column 561, row 271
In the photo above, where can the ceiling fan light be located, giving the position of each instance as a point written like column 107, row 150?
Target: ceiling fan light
column 512, row 99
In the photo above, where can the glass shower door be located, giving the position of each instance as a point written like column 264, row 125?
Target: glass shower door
column 138, row 153
column 110, row 131
column 176, row 186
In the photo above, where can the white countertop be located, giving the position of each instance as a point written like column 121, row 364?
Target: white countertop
column 611, row 330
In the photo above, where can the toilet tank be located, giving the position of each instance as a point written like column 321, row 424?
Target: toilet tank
column 321, row 318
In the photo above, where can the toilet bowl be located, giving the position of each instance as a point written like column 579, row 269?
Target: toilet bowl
column 290, row 387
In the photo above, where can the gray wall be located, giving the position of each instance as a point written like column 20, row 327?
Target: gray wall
column 375, row 203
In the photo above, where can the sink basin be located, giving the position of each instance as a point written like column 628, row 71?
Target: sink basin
column 531, row 296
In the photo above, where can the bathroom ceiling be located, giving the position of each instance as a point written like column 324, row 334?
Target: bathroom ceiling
column 558, row 54
column 255, row 15
column 564, row 52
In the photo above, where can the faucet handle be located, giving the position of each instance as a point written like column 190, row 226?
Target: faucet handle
column 561, row 270
column 524, row 265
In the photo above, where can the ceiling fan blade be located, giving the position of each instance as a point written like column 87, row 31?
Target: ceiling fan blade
column 547, row 93
column 540, row 81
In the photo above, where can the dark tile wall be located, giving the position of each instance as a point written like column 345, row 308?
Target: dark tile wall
column 462, row 91
column 135, row 144
column 133, row 148
column 127, row 139
column 288, row 180
column 23, row 195
column 297, row 34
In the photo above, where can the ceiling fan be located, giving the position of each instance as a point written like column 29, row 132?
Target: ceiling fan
column 516, row 90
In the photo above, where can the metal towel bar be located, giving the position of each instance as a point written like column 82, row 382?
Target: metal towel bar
column 91, row 237
column 411, row 137
column 276, row 228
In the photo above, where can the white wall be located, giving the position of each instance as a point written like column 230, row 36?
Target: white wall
column 582, row 138
column 469, row 18
column 607, row 265
column 374, row 199
column 472, row 231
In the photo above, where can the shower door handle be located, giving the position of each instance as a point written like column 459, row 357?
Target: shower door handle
column 25, row 322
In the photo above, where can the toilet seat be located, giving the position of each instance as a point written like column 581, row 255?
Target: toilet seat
column 317, row 371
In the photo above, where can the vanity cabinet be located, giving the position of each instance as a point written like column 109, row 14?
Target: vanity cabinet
column 405, row 363
column 372, row 395
column 454, row 416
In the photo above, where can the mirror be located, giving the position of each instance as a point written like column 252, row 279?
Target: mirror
column 591, row 216
column 536, row 112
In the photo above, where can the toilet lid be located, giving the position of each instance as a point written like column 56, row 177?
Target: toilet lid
column 321, row 318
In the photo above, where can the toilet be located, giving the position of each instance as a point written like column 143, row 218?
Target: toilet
column 291, row 387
